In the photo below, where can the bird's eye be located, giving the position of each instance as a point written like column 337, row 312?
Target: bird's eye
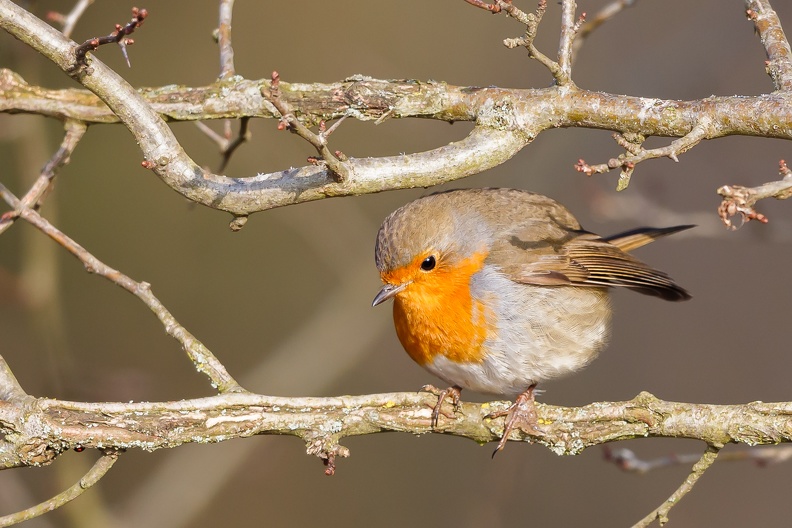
column 428, row 263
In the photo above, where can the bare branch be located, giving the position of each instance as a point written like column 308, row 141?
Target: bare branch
column 508, row 121
column 226, row 144
column 569, row 28
column 492, row 8
column 739, row 199
column 319, row 141
column 97, row 471
column 118, row 37
column 230, row 147
column 531, row 21
column 227, row 68
column 70, row 20
column 561, row 70
column 779, row 64
column 626, row 459
column 637, row 154
column 323, row 422
column 661, row 513
column 201, row 356
column 35, row 196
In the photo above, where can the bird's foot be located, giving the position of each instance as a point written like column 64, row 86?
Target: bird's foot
column 520, row 414
column 454, row 392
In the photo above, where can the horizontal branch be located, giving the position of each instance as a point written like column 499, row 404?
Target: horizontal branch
column 368, row 99
column 45, row 427
column 506, row 121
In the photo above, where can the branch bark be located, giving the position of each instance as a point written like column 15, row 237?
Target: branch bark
column 506, row 121
column 46, row 427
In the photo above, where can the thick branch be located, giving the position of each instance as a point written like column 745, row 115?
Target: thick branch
column 52, row 425
column 506, row 121
column 367, row 99
column 509, row 119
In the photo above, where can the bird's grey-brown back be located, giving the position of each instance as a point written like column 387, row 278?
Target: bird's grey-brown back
column 464, row 221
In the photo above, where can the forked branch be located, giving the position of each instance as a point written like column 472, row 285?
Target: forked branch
column 741, row 200
column 202, row 357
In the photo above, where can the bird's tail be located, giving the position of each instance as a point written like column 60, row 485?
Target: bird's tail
column 636, row 238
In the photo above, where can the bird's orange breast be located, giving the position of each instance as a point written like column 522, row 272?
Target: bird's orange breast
column 436, row 314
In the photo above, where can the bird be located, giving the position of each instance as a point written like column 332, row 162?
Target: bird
column 496, row 290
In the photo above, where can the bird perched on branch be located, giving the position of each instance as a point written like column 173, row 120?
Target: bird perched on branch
column 496, row 290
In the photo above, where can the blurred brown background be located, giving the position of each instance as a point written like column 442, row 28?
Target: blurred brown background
column 285, row 303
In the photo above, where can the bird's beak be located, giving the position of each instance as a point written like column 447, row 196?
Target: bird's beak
column 388, row 291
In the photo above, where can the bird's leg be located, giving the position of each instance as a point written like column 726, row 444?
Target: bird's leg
column 521, row 413
column 454, row 392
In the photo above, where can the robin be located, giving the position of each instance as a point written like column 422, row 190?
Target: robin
column 496, row 290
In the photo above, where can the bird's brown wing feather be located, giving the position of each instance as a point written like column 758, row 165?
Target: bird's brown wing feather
column 580, row 258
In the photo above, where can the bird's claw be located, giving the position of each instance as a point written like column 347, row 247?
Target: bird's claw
column 520, row 414
column 455, row 393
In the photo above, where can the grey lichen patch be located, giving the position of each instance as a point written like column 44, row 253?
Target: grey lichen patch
column 497, row 114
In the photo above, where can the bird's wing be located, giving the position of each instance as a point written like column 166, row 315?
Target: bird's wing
column 555, row 257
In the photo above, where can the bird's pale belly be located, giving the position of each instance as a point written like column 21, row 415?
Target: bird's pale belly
column 539, row 333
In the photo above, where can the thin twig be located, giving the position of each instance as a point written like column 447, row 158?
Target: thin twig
column 227, row 68
column 531, row 21
column 10, row 389
column 68, row 21
column 35, row 196
column 626, row 459
column 227, row 146
column 661, row 513
column 118, row 37
column 739, row 199
column 638, row 154
column 99, row 469
column 569, row 28
column 492, row 8
column 201, row 356
column 779, row 55
column 602, row 16
column 214, row 136
column 333, row 160
column 231, row 146
column 561, row 70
